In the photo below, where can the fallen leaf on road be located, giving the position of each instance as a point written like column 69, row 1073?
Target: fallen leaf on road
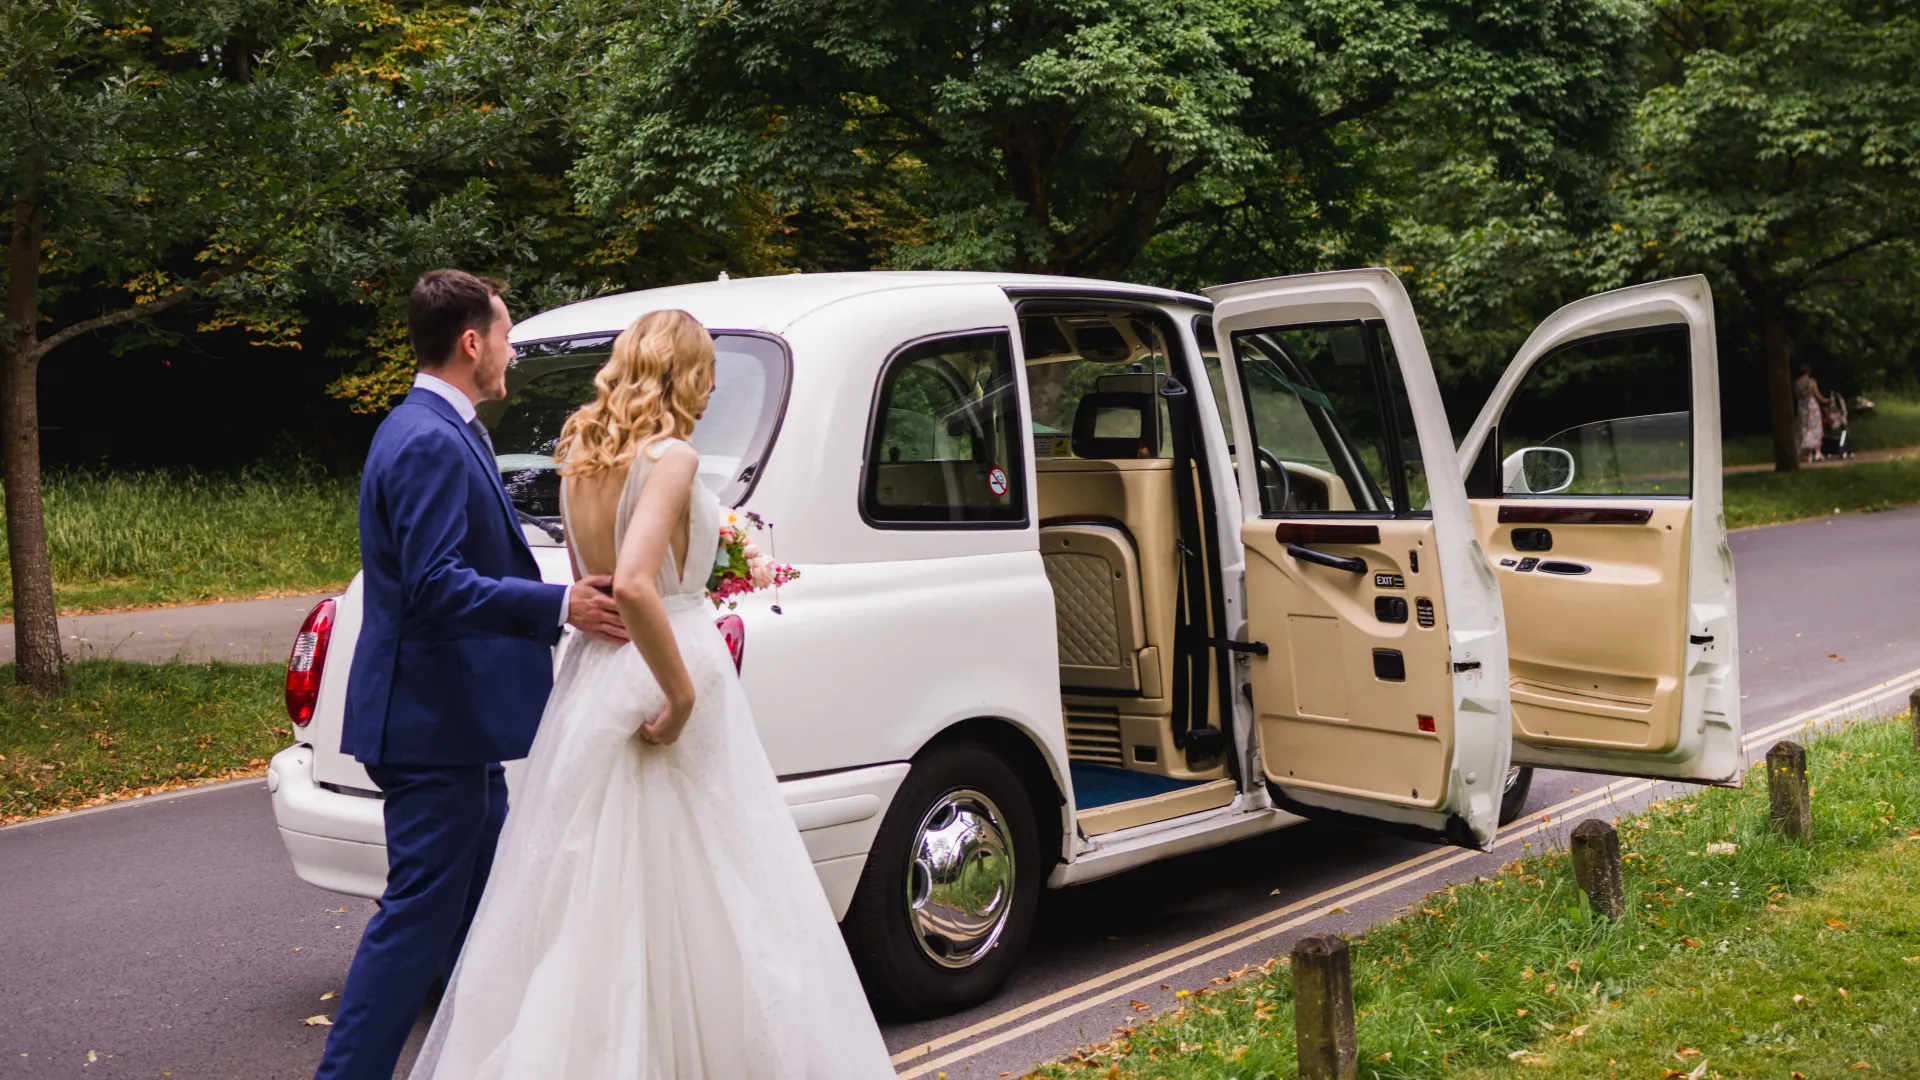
column 318, row 1021
column 92, row 1057
column 1336, row 911
column 1139, row 1006
column 329, row 995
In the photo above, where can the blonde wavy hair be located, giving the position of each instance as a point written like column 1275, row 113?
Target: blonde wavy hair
column 649, row 389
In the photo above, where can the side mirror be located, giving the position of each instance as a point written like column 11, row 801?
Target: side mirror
column 1536, row 470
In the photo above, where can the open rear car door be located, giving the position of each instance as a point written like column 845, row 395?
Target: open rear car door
column 1382, row 695
column 1594, row 472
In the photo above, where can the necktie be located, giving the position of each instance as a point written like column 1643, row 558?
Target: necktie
column 480, row 429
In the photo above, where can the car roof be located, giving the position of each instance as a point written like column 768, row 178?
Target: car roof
column 774, row 303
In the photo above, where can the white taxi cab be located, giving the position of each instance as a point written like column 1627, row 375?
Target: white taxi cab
column 1096, row 574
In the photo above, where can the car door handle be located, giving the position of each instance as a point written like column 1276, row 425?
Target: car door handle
column 1338, row 562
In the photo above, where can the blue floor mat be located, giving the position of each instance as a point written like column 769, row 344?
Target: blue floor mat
column 1104, row 785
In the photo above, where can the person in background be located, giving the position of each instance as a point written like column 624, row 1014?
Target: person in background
column 1807, row 401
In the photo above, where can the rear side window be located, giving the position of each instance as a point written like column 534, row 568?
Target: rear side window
column 946, row 440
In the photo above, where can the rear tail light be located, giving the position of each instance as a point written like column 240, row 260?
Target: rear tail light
column 308, row 659
column 735, row 632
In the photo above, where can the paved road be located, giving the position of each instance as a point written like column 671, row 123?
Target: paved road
column 170, row 937
column 251, row 631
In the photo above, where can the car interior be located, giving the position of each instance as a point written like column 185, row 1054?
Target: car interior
column 1110, row 538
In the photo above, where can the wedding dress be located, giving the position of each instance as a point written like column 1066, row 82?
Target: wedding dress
column 653, row 914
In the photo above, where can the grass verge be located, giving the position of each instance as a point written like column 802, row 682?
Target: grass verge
column 1517, row 965
column 124, row 540
column 124, row 729
column 1764, row 498
column 1826, row 986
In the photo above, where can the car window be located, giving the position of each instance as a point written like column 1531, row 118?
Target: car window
column 1330, row 420
column 946, row 439
column 546, row 383
column 1121, row 358
column 1609, row 415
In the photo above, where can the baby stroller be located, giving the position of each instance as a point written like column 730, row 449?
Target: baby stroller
column 1833, row 421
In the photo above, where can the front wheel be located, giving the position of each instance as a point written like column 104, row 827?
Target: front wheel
column 1514, row 796
column 947, row 898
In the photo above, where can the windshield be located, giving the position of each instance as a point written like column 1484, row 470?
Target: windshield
column 547, row 382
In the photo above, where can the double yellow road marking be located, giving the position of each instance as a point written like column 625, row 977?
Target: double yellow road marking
column 1046, row 1011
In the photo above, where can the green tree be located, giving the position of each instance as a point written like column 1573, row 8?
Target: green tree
column 1204, row 138
column 1778, row 150
column 234, row 155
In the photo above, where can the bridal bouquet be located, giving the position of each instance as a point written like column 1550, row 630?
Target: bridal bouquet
column 738, row 566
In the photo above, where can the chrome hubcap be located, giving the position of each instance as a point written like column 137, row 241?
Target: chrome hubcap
column 1513, row 774
column 960, row 879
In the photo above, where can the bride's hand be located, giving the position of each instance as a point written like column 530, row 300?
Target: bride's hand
column 665, row 727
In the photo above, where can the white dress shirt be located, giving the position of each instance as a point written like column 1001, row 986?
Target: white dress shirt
column 453, row 395
column 462, row 404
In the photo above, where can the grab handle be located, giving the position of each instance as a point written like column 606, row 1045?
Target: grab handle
column 1338, row 562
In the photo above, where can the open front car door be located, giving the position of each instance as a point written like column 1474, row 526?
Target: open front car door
column 1594, row 472
column 1382, row 695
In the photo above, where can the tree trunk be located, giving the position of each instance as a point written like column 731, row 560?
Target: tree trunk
column 36, row 626
column 1773, row 347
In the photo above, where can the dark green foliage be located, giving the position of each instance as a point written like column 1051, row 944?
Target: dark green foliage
column 1193, row 141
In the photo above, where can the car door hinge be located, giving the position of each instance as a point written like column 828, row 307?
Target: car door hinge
column 1467, row 665
column 1255, row 648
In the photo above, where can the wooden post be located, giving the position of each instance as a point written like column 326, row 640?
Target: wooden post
column 1323, row 1009
column 1596, row 867
column 1787, row 791
column 1913, row 713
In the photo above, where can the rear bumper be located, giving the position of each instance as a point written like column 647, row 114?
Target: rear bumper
column 337, row 840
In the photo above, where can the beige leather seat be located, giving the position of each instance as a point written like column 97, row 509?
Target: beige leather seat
column 1096, row 594
column 1091, row 557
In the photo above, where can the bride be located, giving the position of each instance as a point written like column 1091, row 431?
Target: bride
column 654, row 914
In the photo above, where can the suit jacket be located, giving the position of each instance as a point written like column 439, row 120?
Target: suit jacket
column 454, row 660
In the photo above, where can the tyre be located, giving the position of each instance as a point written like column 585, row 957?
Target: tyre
column 1514, row 796
column 947, row 899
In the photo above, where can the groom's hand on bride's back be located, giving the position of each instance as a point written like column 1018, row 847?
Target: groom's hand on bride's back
column 590, row 607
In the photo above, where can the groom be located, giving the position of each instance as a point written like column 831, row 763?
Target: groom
column 453, row 665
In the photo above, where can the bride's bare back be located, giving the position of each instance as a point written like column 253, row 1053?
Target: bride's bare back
column 593, row 503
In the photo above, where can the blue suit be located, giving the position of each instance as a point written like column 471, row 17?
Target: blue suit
column 449, row 678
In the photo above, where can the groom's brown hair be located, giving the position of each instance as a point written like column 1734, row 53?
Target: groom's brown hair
column 443, row 305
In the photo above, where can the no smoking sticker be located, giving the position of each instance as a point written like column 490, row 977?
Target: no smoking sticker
column 997, row 480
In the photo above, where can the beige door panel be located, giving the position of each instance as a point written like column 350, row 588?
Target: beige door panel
column 1633, row 667
column 1595, row 658
column 1327, row 721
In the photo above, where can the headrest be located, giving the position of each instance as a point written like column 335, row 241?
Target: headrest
column 1116, row 424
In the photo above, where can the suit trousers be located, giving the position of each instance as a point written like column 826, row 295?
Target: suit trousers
column 442, row 823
